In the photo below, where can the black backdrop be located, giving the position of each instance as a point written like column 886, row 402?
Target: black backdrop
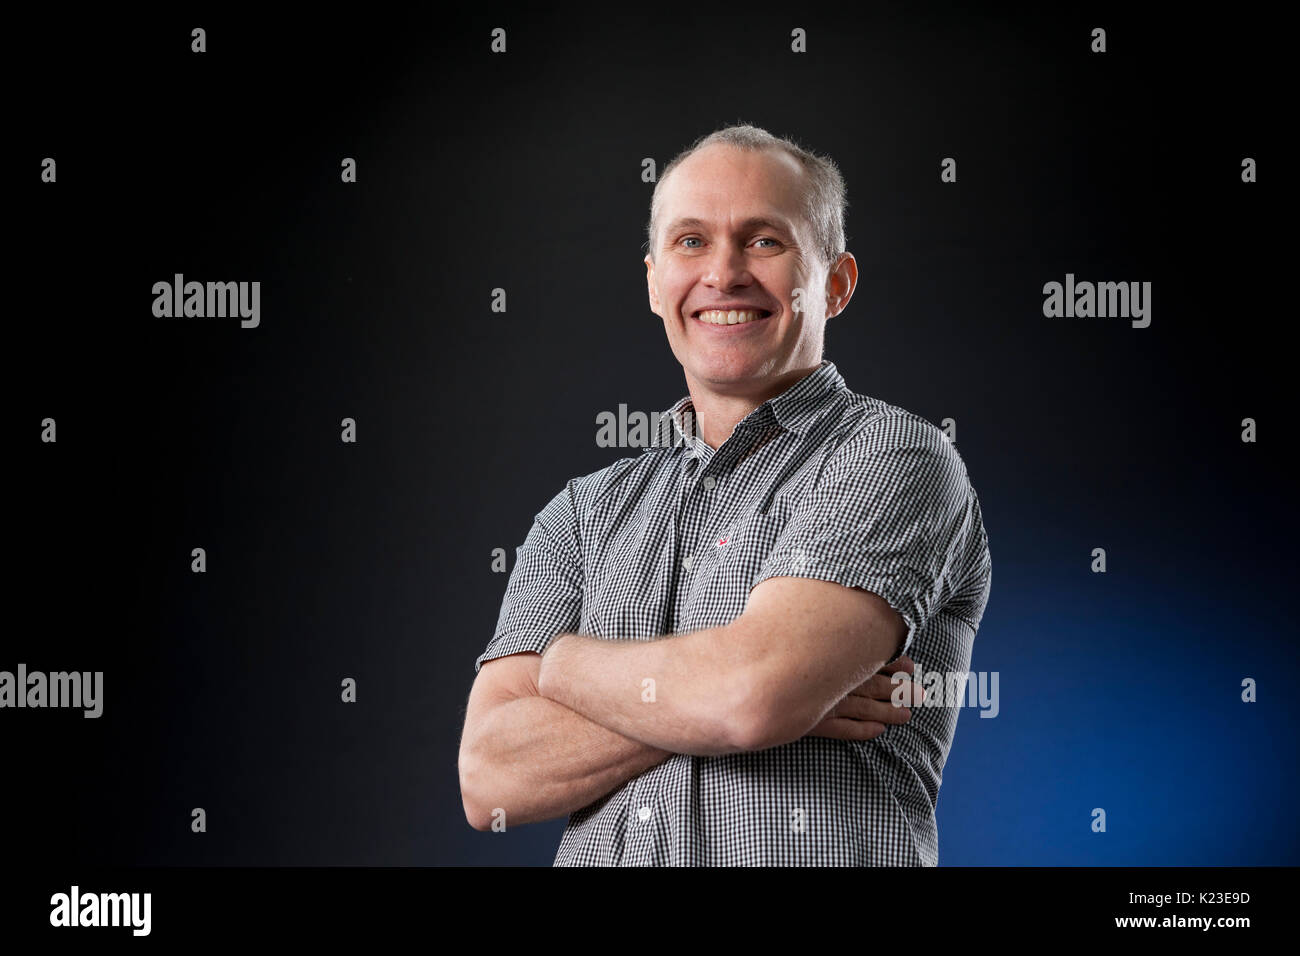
column 522, row 171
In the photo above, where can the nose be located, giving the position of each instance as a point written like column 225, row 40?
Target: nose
column 727, row 267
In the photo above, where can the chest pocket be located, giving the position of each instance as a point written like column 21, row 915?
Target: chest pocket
column 749, row 540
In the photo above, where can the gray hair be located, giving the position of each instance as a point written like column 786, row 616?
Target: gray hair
column 825, row 198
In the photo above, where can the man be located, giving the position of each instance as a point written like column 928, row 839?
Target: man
column 684, row 654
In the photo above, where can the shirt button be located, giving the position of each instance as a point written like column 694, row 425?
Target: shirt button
column 644, row 814
column 688, row 561
column 709, row 482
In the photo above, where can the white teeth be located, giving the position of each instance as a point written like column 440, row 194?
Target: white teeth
column 734, row 317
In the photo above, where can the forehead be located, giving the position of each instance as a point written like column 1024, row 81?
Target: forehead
column 721, row 183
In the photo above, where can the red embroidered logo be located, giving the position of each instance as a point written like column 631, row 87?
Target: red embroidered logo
column 722, row 541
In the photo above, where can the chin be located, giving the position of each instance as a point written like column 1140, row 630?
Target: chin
column 724, row 369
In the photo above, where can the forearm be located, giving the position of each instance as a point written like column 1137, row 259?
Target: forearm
column 685, row 693
column 535, row 759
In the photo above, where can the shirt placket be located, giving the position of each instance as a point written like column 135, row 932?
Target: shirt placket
column 689, row 518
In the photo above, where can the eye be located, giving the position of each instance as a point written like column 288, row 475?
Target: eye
column 768, row 239
column 690, row 239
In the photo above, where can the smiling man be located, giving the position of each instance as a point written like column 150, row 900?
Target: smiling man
column 685, row 653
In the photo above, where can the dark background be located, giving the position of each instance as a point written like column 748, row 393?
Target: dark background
column 522, row 171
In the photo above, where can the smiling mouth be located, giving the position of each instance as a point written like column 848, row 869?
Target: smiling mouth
column 731, row 316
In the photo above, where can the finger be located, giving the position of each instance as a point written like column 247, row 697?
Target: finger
column 841, row 728
column 904, row 663
column 911, row 693
column 883, row 711
column 880, row 687
column 865, row 708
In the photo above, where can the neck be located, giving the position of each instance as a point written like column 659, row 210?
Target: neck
column 718, row 411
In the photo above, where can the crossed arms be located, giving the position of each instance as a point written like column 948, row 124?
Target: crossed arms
column 546, row 735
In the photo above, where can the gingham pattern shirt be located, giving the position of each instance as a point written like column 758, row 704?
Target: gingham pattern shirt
column 818, row 482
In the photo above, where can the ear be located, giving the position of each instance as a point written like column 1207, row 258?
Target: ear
column 650, row 285
column 840, row 283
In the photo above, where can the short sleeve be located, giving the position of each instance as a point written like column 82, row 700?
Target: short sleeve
column 544, row 594
column 892, row 513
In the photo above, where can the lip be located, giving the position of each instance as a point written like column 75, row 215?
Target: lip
column 732, row 307
column 737, row 329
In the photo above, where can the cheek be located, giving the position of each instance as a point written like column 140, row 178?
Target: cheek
column 798, row 293
column 780, row 283
column 673, row 298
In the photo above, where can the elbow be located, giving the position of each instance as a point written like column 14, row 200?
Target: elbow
column 764, row 717
column 760, row 708
column 477, row 813
column 760, row 728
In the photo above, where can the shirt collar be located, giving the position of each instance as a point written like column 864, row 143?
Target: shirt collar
column 794, row 409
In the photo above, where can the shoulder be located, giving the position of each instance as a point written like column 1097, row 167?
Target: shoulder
column 630, row 474
column 872, row 432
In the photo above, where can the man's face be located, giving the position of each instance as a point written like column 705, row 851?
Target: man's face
column 732, row 234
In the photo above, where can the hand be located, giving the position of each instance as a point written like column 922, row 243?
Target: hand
column 868, row 708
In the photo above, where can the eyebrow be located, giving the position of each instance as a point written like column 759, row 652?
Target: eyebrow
column 748, row 225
